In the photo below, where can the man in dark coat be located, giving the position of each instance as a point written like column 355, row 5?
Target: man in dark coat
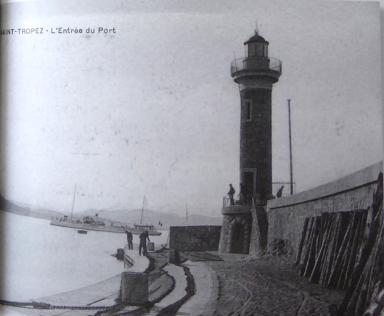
column 280, row 192
column 129, row 239
column 231, row 193
column 143, row 243
column 243, row 195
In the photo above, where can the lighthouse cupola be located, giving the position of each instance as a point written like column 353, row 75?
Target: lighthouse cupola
column 257, row 46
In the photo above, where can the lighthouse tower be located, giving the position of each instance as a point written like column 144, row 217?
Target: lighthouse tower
column 255, row 75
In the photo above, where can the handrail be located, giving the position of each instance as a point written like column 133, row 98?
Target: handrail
column 256, row 63
column 227, row 202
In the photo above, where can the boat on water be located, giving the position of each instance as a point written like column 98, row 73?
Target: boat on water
column 87, row 223
column 137, row 229
column 79, row 224
column 94, row 223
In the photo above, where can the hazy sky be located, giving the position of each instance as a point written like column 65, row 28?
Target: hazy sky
column 152, row 110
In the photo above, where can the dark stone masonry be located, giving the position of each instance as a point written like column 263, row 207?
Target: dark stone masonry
column 194, row 238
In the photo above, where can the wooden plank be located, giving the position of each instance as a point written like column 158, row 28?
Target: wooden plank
column 348, row 251
column 355, row 247
column 330, row 237
column 332, row 282
column 350, row 301
column 315, row 274
column 307, row 246
column 361, row 299
column 302, row 240
column 312, row 248
column 350, row 307
column 331, row 251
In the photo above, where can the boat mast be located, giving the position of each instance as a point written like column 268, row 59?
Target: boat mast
column 186, row 213
column 73, row 201
column 142, row 211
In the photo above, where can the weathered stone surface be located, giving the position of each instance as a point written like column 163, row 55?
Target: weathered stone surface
column 174, row 256
column 235, row 233
column 134, row 288
column 268, row 287
column 256, row 140
column 194, row 238
column 258, row 242
column 286, row 216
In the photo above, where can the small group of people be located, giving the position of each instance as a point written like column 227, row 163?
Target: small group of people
column 244, row 196
column 143, row 237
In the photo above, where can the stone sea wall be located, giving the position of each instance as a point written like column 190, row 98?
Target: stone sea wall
column 194, row 238
column 286, row 215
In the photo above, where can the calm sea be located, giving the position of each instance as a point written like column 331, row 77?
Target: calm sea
column 40, row 260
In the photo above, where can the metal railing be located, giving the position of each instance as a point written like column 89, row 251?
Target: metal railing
column 227, row 202
column 255, row 63
column 276, row 185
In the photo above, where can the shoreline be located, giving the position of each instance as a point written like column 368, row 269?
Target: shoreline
column 96, row 296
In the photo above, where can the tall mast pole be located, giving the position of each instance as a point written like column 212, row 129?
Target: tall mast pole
column 290, row 147
column 142, row 211
column 73, row 201
column 186, row 213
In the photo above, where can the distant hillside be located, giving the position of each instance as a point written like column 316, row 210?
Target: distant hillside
column 15, row 208
column 152, row 217
column 123, row 216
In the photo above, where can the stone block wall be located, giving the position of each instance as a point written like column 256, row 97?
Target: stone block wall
column 194, row 238
column 258, row 242
column 234, row 240
column 256, row 141
column 286, row 215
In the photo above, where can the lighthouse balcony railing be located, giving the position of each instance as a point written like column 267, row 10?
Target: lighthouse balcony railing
column 227, row 202
column 239, row 207
column 256, row 63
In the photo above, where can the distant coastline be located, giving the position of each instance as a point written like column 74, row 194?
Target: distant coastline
column 116, row 216
column 15, row 208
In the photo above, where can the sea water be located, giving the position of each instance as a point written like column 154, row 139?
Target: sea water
column 39, row 259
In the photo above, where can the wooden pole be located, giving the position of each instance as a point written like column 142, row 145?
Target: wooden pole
column 290, row 147
column 73, row 201
column 142, row 211
column 186, row 213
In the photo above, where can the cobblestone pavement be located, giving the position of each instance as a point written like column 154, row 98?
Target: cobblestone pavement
column 269, row 287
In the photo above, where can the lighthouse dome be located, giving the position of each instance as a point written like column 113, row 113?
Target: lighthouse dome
column 256, row 39
column 257, row 46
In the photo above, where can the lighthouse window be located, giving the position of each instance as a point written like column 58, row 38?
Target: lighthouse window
column 251, row 50
column 248, row 109
column 260, row 50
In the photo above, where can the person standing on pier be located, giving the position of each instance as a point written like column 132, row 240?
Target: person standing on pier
column 129, row 239
column 143, row 242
